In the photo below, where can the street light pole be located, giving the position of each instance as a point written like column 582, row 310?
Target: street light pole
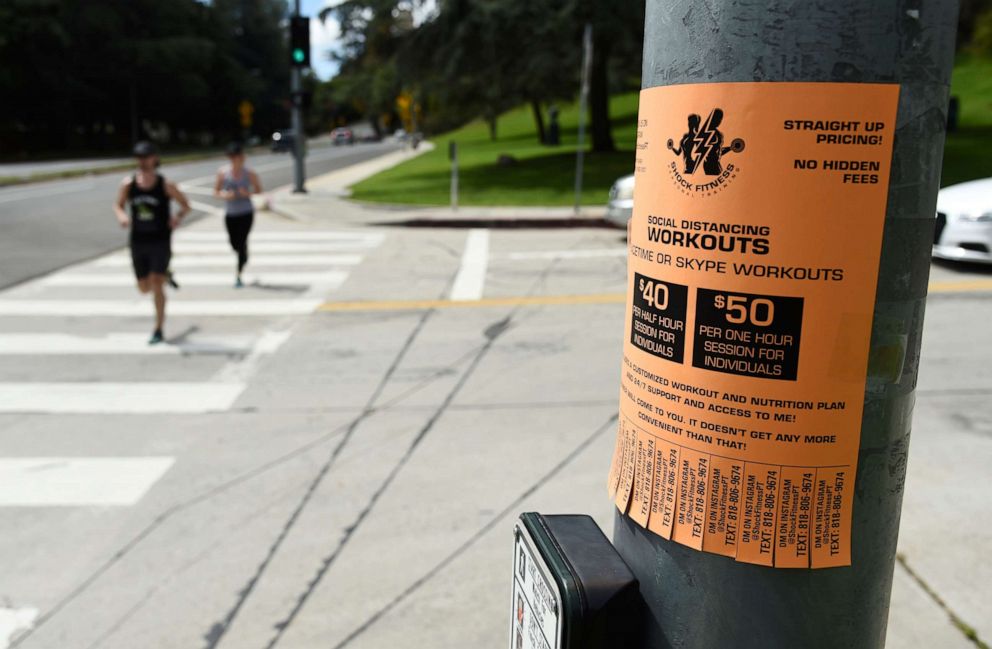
column 701, row 600
column 580, row 147
column 299, row 137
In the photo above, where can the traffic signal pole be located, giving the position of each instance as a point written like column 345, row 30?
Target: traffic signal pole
column 299, row 137
column 702, row 600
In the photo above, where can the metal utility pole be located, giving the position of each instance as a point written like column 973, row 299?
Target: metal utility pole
column 700, row 599
column 583, row 103
column 296, row 92
column 453, row 157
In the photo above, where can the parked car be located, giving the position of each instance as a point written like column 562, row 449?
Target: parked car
column 342, row 135
column 283, row 140
column 621, row 205
column 964, row 222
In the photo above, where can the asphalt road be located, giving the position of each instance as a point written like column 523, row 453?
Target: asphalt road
column 52, row 224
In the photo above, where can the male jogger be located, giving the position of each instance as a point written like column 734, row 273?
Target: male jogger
column 150, row 222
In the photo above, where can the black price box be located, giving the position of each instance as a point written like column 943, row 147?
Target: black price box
column 658, row 318
column 747, row 334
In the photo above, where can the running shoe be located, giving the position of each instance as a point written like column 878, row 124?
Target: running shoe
column 171, row 279
column 156, row 338
column 238, row 283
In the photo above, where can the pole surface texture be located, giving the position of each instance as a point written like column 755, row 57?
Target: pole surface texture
column 699, row 600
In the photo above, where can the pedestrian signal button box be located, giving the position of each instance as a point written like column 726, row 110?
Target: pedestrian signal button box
column 571, row 590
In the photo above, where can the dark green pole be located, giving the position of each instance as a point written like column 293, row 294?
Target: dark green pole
column 703, row 601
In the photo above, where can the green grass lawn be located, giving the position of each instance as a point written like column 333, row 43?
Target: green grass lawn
column 546, row 175
column 968, row 151
column 543, row 175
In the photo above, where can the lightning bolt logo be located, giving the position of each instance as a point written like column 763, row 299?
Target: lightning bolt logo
column 704, row 141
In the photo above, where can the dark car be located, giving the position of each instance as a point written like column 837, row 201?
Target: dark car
column 283, row 141
column 342, row 136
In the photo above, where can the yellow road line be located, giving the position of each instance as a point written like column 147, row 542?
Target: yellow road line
column 961, row 286
column 550, row 300
column 537, row 300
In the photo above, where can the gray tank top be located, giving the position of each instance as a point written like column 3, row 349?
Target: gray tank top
column 242, row 205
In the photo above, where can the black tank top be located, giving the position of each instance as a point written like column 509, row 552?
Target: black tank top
column 149, row 211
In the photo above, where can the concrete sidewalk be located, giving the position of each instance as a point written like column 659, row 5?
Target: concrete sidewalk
column 941, row 595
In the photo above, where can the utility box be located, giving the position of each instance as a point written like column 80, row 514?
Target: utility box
column 571, row 590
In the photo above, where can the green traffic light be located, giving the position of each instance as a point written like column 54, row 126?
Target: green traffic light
column 298, row 55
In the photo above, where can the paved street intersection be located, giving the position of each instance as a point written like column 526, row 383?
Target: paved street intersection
column 333, row 455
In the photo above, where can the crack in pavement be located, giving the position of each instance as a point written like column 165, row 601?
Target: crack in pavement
column 220, row 629
column 492, row 333
column 482, row 531
column 966, row 629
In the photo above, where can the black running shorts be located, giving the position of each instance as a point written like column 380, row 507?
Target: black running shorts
column 150, row 257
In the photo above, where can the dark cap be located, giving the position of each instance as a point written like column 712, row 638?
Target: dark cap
column 235, row 148
column 145, row 148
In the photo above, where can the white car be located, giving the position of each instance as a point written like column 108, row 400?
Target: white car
column 964, row 222
column 621, row 205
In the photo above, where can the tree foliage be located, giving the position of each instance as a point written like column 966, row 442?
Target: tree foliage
column 93, row 75
column 477, row 58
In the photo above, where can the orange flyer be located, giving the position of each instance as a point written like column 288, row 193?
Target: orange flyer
column 753, row 259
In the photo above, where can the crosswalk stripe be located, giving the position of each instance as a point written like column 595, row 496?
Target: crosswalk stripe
column 118, row 398
column 329, row 279
column 471, row 278
column 13, row 621
column 117, row 343
column 78, row 481
column 209, row 247
column 229, row 261
column 282, row 235
column 143, row 307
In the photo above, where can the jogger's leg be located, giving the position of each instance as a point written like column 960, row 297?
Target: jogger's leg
column 246, row 230
column 158, row 289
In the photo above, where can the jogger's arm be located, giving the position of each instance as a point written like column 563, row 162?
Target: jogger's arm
column 121, row 202
column 176, row 195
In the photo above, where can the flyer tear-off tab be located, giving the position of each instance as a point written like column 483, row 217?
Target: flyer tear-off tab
column 753, row 260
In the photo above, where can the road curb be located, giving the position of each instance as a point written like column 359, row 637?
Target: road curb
column 336, row 184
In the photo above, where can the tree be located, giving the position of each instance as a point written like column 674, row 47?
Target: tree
column 617, row 34
column 95, row 75
column 371, row 32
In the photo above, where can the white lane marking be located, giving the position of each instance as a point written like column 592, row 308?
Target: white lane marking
column 78, row 481
column 12, row 195
column 242, row 371
column 281, row 235
column 568, row 254
column 327, row 278
column 118, row 260
column 205, row 207
column 118, row 398
column 13, row 620
column 143, row 307
column 193, row 189
column 209, row 247
column 471, row 277
column 117, row 343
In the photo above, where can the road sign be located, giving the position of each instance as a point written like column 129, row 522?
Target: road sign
column 246, row 109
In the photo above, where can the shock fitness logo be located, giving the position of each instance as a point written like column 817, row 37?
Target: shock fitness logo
column 702, row 171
